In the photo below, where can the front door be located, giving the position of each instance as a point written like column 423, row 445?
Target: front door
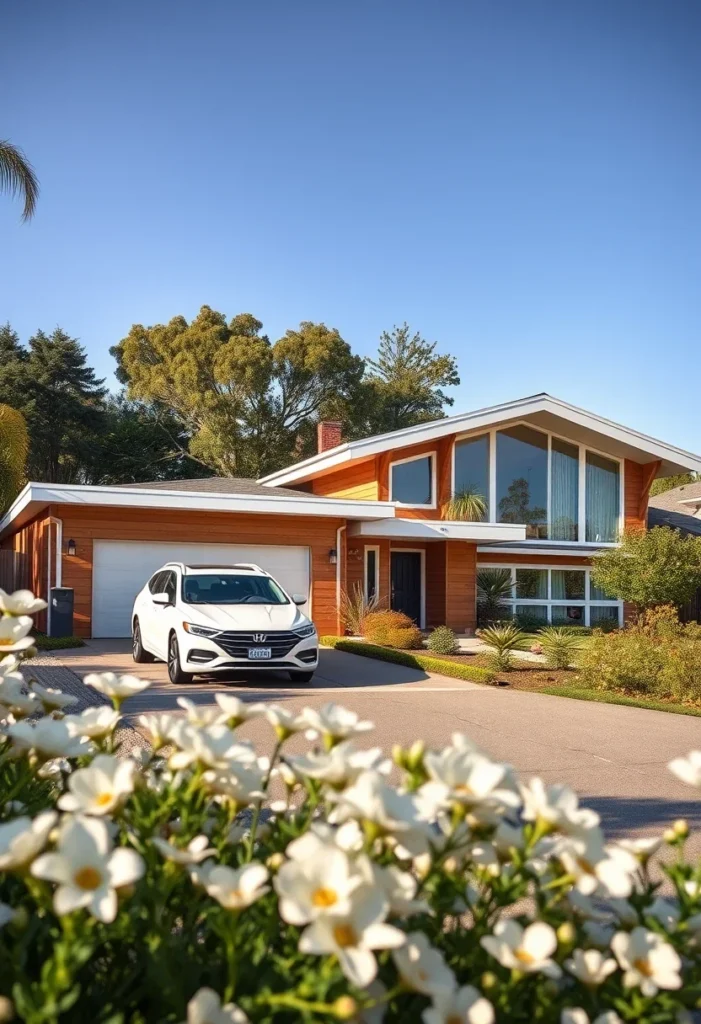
column 406, row 584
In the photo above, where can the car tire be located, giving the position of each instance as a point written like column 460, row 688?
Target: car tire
column 139, row 653
column 301, row 677
column 175, row 672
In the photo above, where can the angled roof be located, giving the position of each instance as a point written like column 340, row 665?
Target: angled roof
column 542, row 410
column 671, row 499
column 682, row 521
column 216, row 485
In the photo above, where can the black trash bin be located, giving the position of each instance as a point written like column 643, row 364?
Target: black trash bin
column 61, row 619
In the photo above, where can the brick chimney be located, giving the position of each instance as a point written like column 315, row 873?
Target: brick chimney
column 328, row 435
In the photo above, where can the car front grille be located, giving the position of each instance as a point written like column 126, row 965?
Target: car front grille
column 237, row 644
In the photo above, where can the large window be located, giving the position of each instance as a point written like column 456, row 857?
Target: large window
column 564, row 490
column 522, row 479
column 603, row 490
column 471, row 472
column 562, row 597
column 411, row 481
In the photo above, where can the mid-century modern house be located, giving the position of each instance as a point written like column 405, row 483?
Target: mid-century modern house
column 559, row 484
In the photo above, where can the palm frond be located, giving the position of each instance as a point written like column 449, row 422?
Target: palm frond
column 468, row 506
column 17, row 177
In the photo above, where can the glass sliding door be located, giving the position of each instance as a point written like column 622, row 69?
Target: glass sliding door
column 522, row 479
column 472, row 468
column 603, row 499
column 564, row 490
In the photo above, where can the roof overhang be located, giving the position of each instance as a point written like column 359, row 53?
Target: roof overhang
column 542, row 410
column 696, row 502
column 36, row 496
column 438, row 529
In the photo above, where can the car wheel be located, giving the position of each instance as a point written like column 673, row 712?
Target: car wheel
column 301, row 677
column 175, row 672
column 139, row 652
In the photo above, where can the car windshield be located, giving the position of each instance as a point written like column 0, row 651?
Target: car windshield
column 231, row 588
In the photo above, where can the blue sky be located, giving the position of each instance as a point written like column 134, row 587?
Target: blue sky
column 519, row 181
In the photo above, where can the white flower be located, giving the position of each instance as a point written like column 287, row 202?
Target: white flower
column 398, row 888
column 590, row 966
column 557, row 806
column 200, row 715
column 335, row 721
column 93, row 722
column 205, row 1008
column 688, row 768
column 463, row 1006
column 48, row 738
column 13, row 633
column 195, row 852
column 523, row 949
column 116, row 687
column 55, row 768
column 215, row 747
column 101, row 787
column 161, row 728
column 339, row 766
column 319, row 879
column 284, row 722
column 53, row 700
column 14, row 698
column 236, row 710
column 422, row 967
column 240, row 783
column 473, row 780
column 352, row 936
column 22, row 839
column 21, row 602
column 370, row 799
column 237, row 888
column 577, row 1015
column 649, row 963
column 643, row 847
column 609, row 870
column 86, row 868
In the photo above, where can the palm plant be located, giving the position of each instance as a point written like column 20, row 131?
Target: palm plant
column 17, row 177
column 560, row 644
column 493, row 588
column 14, row 446
column 355, row 607
column 467, row 505
column 503, row 641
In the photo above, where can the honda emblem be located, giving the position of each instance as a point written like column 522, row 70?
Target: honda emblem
column 259, row 638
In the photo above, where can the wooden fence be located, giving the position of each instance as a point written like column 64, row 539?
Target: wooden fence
column 14, row 570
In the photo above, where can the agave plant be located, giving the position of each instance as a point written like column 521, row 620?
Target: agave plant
column 493, row 587
column 560, row 645
column 503, row 641
column 467, row 505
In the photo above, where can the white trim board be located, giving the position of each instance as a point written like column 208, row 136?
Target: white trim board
column 635, row 445
column 438, row 529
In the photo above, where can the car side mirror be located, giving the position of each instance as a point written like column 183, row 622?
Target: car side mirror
column 161, row 599
column 299, row 598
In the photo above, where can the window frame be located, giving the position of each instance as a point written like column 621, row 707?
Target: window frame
column 432, row 456
column 586, row 603
column 582, row 465
column 376, row 549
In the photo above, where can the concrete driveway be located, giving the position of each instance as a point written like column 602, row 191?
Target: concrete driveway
column 615, row 757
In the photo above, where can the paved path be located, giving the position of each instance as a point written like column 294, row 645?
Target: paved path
column 614, row 756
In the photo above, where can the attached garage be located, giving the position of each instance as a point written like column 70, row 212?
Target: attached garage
column 121, row 568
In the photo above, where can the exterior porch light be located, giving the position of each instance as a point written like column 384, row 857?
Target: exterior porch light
column 333, row 556
column 71, row 548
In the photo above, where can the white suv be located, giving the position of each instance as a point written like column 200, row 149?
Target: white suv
column 217, row 618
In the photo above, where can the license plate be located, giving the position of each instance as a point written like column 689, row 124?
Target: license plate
column 259, row 653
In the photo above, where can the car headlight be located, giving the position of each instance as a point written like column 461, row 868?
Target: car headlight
column 304, row 631
column 189, row 627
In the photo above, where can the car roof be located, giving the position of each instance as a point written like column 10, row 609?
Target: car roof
column 216, row 567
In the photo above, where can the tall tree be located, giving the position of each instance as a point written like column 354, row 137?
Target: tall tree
column 14, row 445
column 666, row 483
column 404, row 384
column 244, row 402
column 61, row 399
column 17, row 177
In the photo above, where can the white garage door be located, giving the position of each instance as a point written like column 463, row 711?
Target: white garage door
column 121, row 568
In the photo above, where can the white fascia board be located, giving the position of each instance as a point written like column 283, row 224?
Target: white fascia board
column 40, row 495
column 535, row 552
column 480, row 419
column 691, row 501
column 438, row 529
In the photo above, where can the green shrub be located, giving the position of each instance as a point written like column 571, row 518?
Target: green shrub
column 503, row 641
column 442, row 641
column 560, row 645
column 409, row 638
column 377, row 625
column 530, row 623
column 455, row 669
column 355, row 608
column 56, row 643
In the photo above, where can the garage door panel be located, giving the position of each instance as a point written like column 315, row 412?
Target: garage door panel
column 121, row 568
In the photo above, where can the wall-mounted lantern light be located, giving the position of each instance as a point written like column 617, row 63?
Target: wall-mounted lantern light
column 70, row 547
column 333, row 556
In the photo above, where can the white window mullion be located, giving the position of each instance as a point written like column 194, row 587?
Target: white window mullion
column 492, row 476
column 549, row 485
column 582, row 526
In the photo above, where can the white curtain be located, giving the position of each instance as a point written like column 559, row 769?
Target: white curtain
column 564, row 492
column 603, row 499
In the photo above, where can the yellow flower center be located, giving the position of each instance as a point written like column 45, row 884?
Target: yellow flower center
column 324, row 897
column 585, row 865
column 464, row 789
column 103, row 799
column 643, row 967
column 524, row 956
column 6, row 641
column 454, row 1019
column 88, row 878
column 234, row 897
column 344, row 935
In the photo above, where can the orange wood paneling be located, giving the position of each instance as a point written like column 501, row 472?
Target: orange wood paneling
column 357, row 481
column 435, row 584
column 636, row 489
column 86, row 524
column 32, row 540
column 460, row 589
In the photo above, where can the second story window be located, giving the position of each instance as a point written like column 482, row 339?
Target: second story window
column 411, row 481
column 522, row 479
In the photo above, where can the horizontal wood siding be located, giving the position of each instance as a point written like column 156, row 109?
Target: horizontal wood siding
column 85, row 525
column 355, row 481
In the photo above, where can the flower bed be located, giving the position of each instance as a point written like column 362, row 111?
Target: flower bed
column 172, row 885
column 447, row 665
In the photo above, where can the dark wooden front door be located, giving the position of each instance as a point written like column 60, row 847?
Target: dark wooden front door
column 406, row 584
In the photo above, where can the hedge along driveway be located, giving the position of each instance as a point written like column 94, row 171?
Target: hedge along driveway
column 429, row 664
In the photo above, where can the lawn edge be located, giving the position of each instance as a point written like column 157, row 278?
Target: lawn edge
column 602, row 697
column 429, row 663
